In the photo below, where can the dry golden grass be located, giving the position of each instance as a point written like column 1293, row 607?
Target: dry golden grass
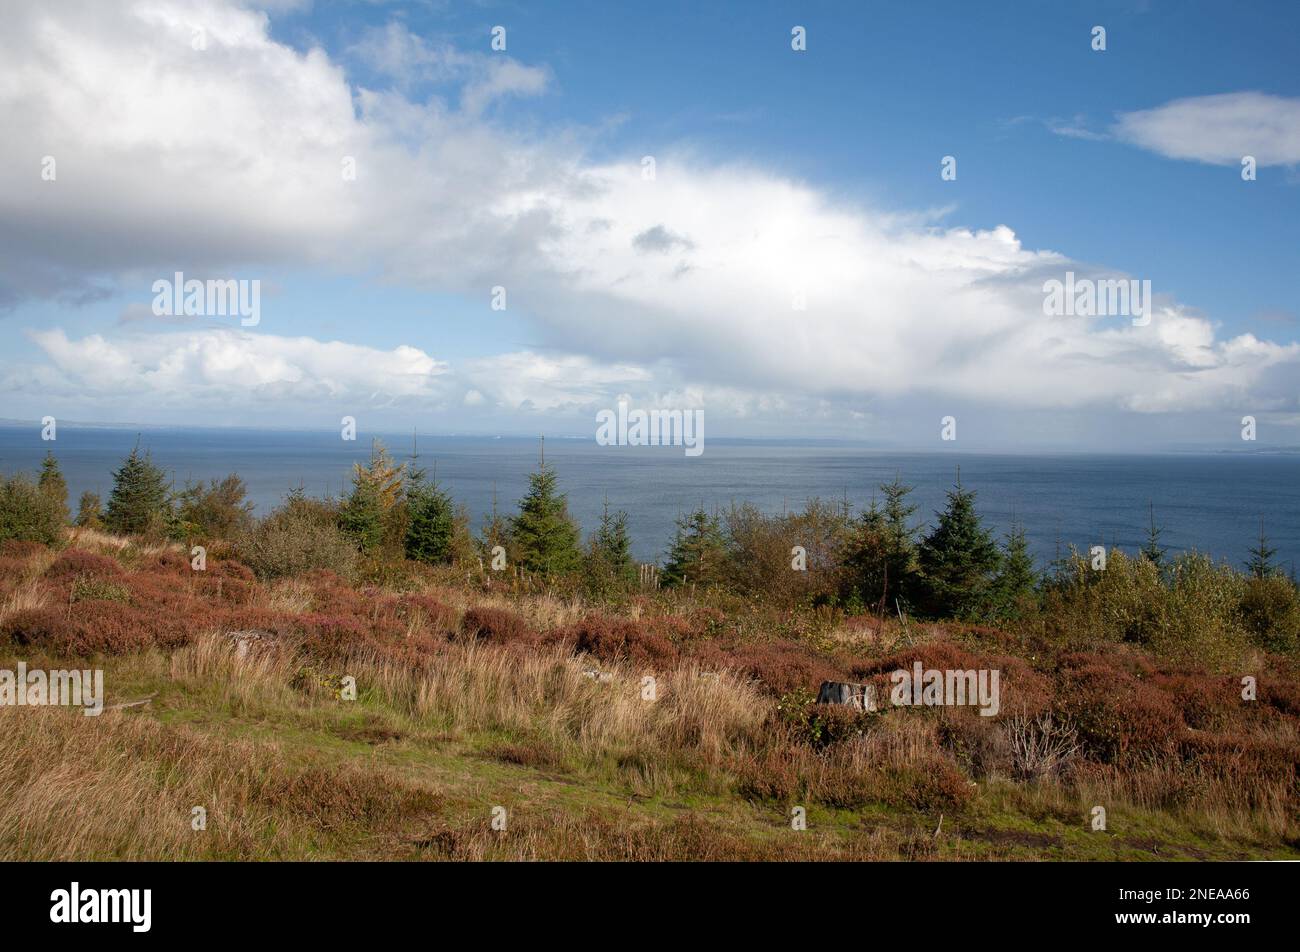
column 292, row 596
column 101, row 543
column 122, row 786
column 26, row 596
column 477, row 687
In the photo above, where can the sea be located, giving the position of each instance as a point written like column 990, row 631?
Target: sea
column 1212, row 503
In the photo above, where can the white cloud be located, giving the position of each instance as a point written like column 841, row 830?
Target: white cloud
column 408, row 59
column 1219, row 129
column 228, row 159
column 239, row 367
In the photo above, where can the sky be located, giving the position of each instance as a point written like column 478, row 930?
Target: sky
column 798, row 265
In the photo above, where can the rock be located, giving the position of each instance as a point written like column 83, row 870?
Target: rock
column 860, row 697
column 247, row 641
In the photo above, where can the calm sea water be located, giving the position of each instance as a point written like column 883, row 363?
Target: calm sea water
column 1208, row 502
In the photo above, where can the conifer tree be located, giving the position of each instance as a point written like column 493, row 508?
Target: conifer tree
column 545, row 536
column 374, row 507
column 432, row 521
column 1152, row 551
column 52, row 484
column 1261, row 563
column 1017, row 579
column 881, row 549
column 495, row 531
column 698, row 553
column 139, row 500
column 958, row 560
column 362, row 515
column 610, row 552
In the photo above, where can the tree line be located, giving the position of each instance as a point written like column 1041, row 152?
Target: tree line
column 882, row 559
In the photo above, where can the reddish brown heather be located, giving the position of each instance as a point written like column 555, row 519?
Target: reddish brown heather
column 73, row 563
column 497, row 626
column 619, row 640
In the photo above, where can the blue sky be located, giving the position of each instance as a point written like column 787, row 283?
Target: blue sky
column 817, row 170
column 886, row 88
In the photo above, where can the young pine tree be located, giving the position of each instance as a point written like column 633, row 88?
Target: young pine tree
column 1017, row 580
column 374, row 508
column 1261, row 563
column 52, row 484
column 494, row 532
column 432, row 522
column 139, row 501
column 1152, row 551
column 362, row 515
column 609, row 556
column 959, row 561
column 543, row 532
column 881, row 552
column 698, row 553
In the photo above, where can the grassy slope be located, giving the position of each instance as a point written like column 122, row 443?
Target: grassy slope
column 414, row 766
column 364, row 779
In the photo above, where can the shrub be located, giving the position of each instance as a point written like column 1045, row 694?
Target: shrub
column 95, row 627
column 52, row 484
column 90, row 513
column 27, row 514
column 699, row 552
column 40, row 627
column 216, row 511
column 608, row 566
column 759, row 553
column 959, row 561
column 299, row 537
column 87, row 588
column 1270, row 613
column 1200, row 621
column 780, row 666
column 75, row 564
column 496, row 625
column 613, row 639
column 879, row 551
column 1119, row 718
column 21, row 550
column 821, row 725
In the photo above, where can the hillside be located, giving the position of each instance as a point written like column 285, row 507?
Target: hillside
column 477, row 690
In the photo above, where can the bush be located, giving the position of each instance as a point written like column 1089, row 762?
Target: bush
column 216, row 511
column 90, row 513
column 780, row 666
column 1270, row 613
column 75, row 564
column 760, row 553
column 40, row 627
column 1190, row 612
column 27, row 514
column 496, row 625
column 613, row 640
column 299, row 537
column 86, row 588
column 1119, row 718
column 821, row 725
column 98, row 626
